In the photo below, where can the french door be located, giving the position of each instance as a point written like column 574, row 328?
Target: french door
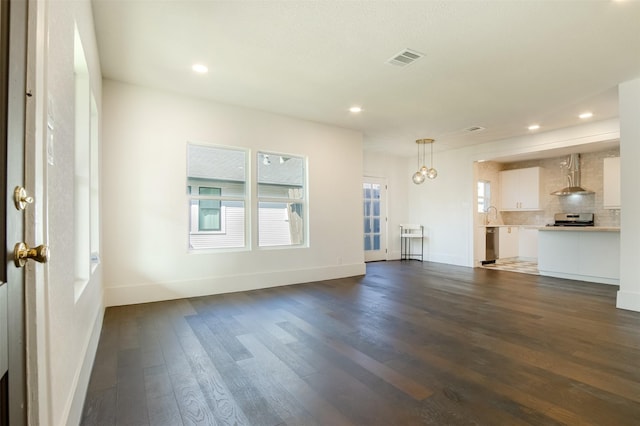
column 375, row 218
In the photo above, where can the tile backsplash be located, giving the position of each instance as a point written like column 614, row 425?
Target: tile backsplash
column 553, row 177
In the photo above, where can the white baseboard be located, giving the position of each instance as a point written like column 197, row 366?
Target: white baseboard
column 448, row 259
column 393, row 255
column 577, row 277
column 433, row 257
column 155, row 292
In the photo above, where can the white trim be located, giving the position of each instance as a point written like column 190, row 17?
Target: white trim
column 577, row 277
column 154, row 292
column 73, row 410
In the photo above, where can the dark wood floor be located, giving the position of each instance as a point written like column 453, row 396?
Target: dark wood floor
column 409, row 343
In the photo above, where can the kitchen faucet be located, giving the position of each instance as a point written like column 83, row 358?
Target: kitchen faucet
column 487, row 220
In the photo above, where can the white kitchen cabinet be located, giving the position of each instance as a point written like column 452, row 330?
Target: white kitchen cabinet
column 592, row 263
column 520, row 189
column 611, row 183
column 508, row 242
column 580, row 255
column 509, row 189
column 528, row 244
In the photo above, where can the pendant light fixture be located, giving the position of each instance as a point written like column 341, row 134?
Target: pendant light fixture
column 424, row 172
column 432, row 172
column 419, row 176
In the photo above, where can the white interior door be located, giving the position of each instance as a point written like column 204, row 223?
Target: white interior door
column 13, row 25
column 375, row 218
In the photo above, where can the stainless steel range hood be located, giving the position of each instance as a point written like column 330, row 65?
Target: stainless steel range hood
column 573, row 178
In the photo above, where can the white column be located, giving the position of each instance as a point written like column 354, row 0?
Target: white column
column 629, row 293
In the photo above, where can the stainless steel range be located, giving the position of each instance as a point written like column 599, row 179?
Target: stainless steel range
column 573, row 219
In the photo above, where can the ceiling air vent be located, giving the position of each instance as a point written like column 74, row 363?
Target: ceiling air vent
column 473, row 129
column 405, row 58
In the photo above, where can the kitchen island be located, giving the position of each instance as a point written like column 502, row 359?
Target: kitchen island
column 589, row 253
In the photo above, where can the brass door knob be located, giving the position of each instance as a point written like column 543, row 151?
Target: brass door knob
column 22, row 252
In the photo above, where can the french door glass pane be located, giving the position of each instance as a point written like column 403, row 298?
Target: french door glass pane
column 367, row 242
column 367, row 190
column 376, row 208
column 372, row 220
column 376, row 241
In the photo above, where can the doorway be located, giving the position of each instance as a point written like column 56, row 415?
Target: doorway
column 375, row 218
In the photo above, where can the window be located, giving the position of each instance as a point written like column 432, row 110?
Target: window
column 218, row 195
column 209, row 210
column 281, row 200
column 82, row 169
column 484, row 195
column 216, row 184
column 95, row 185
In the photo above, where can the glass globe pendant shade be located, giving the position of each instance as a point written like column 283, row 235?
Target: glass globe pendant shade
column 424, row 172
column 418, row 177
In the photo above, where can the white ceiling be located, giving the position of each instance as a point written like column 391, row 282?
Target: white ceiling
column 501, row 65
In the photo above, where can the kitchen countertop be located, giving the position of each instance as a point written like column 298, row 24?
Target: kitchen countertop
column 581, row 228
column 559, row 228
column 491, row 225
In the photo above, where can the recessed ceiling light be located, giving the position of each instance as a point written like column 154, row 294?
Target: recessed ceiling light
column 586, row 115
column 199, row 68
column 355, row 109
column 534, row 127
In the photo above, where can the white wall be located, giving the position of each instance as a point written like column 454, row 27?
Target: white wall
column 392, row 169
column 68, row 327
column 145, row 202
column 444, row 206
column 629, row 293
